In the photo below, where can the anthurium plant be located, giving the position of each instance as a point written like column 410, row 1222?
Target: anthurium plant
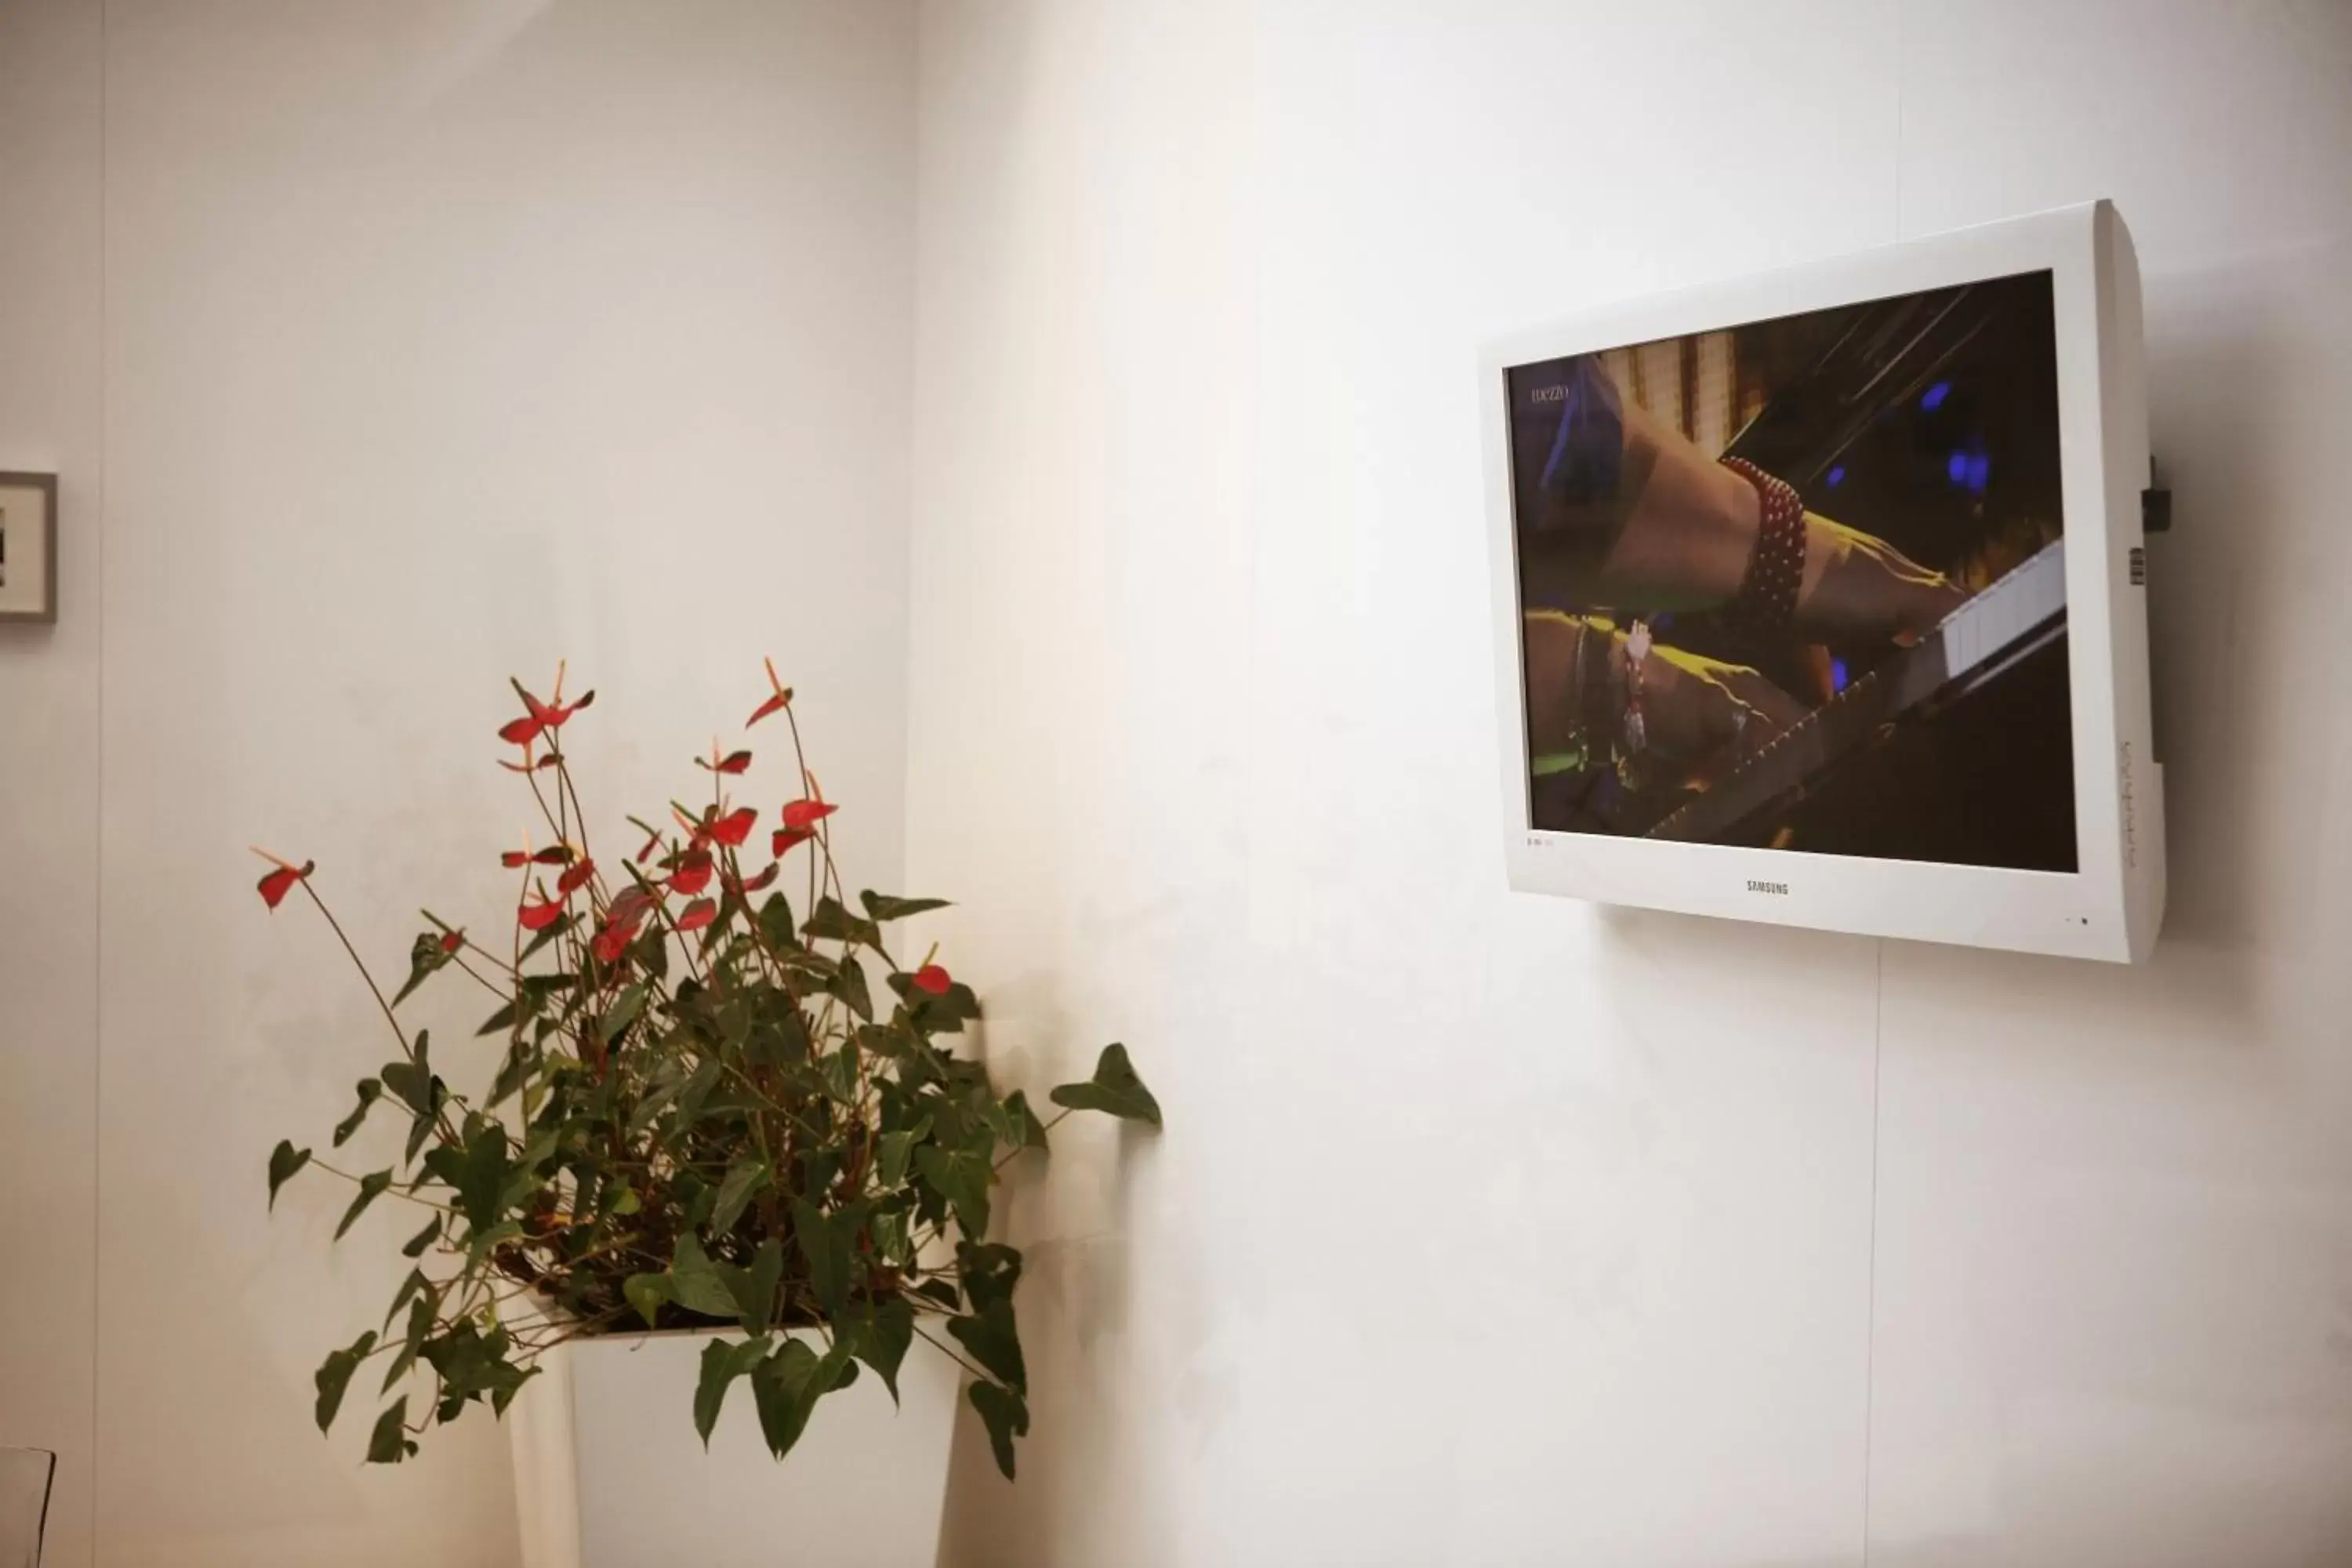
column 708, row 1106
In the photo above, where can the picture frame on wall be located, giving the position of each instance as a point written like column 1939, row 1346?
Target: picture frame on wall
column 29, row 547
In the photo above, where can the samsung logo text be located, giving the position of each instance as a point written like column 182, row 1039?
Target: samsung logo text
column 1778, row 889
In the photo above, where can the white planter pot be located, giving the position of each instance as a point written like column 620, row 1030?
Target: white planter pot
column 609, row 1472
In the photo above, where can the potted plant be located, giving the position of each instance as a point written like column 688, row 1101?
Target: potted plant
column 723, row 1121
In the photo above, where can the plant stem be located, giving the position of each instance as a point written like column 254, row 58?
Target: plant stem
column 440, row 1118
column 1024, row 1149
column 396, row 1192
column 952, row 1356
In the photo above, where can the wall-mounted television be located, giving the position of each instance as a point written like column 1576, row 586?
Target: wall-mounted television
column 1819, row 595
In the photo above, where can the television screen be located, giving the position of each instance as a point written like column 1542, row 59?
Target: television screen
column 1800, row 583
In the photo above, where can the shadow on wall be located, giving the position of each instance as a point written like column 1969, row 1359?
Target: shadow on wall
column 2246, row 604
column 1075, row 1293
column 2246, row 609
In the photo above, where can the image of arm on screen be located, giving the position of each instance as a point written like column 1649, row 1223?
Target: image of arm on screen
column 1619, row 508
column 1600, row 695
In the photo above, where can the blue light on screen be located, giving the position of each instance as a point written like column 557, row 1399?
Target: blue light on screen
column 1837, row 675
column 1932, row 398
column 1835, row 477
column 1956, row 468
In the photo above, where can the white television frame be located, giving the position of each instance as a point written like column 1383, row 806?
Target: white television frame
column 2110, row 907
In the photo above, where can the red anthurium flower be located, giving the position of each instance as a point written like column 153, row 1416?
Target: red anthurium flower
column 697, row 914
column 933, row 980
column 787, row 836
column 693, row 873
column 540, row 717
column 612, row 942
column 759, row 882
column 653, row 842
column 546, row 761
column 451, row 941
column 274, row 886
column 735, row 826
column 556, row 855
column 775, row 704
column 574, row 879
column 632, row 904
column 539, row 916
column 732, row 763
column 808, row 813
column 552, row 715
column 630, row 907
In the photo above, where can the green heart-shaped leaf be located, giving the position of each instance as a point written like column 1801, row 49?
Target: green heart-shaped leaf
column 789, row 1383
column 1115, row 1090
column 722, row 1364
column 371, row 1090
column 371, row 1186
column 334, row 1375
column 284, row 1160
column 1006, row 1416
column 960, row 1176
column 746, row 1178
column 389, row 1443
column 648, row 1293
column 880, row 1337
column 882, row 907
column 994, row 1342
column 695, row 1284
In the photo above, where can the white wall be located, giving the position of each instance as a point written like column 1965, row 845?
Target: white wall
column 51, row 422
column 1494, row 1230
column 389, row 349
column 439, row 340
